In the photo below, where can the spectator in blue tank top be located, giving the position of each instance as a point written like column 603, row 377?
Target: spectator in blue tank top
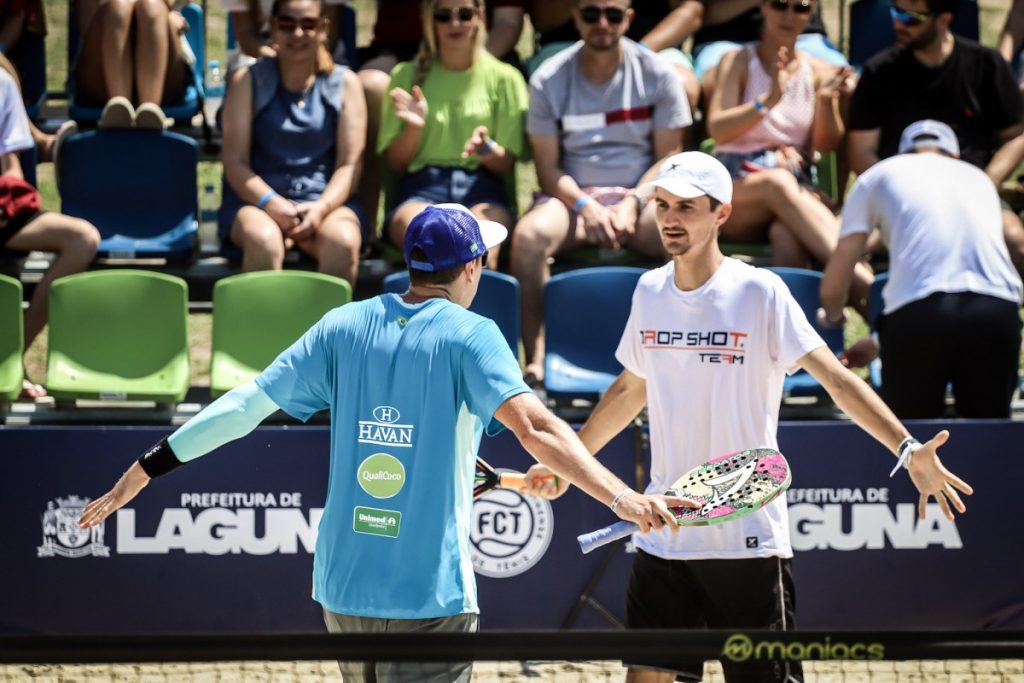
column 294, row 131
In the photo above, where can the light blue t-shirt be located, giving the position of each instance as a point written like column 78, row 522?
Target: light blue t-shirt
column 410, row 388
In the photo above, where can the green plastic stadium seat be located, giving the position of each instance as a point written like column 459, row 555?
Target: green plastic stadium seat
column 256, row 316
column 118, row 335
column 12, row 339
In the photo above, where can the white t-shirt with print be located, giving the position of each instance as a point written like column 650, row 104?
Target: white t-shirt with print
column 714, row 360
column 941, row 220
column 14, row 132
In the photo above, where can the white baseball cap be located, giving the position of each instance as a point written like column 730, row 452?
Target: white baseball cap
column 690, row 175
column 929, row 133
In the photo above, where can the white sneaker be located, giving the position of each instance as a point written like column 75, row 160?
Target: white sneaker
column 118, row 113
column 151, row 117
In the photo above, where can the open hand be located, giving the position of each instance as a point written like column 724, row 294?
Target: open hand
column 126, row 488
column 410, row 108
column 932, row 479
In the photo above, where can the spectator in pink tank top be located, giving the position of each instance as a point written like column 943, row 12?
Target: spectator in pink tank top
column 774, row 106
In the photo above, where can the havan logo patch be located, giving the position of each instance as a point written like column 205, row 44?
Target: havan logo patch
column 384, row 429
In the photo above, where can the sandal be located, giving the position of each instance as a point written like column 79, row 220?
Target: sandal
column 30, row 391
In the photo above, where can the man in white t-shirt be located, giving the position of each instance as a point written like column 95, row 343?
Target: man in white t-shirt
column 953, row 296
column 603, row 114
column 708, row 343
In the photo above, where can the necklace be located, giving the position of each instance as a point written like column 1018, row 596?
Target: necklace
column 304, row 94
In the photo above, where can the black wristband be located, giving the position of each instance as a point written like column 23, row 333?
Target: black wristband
column 159, row 460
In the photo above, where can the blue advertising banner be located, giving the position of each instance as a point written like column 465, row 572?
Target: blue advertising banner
column 224, row 544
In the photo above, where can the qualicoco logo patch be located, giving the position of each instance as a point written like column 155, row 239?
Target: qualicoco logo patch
column 510, row 532
column 381, row 475
column 61, row 535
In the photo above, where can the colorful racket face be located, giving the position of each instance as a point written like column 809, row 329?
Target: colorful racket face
column 731, row 486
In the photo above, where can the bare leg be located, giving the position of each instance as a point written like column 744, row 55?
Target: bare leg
column 259, row 238
column 73, row 240
column 159, row 65
column 647, row 238
column 541, row 233
column 106, row 63
column 336, row 245
column 400, row 221
column 786, row 248
column 375, row 77
column 498, row 215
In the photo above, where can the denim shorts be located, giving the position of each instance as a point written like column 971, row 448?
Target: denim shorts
column 440, row 185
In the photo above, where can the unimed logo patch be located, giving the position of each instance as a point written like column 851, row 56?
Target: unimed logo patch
column 376, row 522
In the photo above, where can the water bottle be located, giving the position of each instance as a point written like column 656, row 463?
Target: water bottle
column 214, row 90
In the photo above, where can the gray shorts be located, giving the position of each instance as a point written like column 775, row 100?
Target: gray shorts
column 403, row 672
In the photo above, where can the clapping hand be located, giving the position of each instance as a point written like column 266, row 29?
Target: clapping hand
column 411, row 109
column 477, row 141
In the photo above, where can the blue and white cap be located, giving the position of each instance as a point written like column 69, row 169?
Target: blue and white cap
column 450, row 235
column 689, row 175
column 929, row 133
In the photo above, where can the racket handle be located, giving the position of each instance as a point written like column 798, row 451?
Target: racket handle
column 612, row 532
column 512, row 480
column 517, row 481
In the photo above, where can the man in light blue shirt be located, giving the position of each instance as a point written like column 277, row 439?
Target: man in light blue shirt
column 412, row 382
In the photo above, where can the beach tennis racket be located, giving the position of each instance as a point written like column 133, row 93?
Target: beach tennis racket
column 726, row 488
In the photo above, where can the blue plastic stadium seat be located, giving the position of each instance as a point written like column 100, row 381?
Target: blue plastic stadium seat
column 871, row 27
column 585, row 312
column 192, row 100
column 805, row 286
column 497, row 299
column 138, row 187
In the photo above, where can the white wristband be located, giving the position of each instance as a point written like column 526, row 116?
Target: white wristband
column 906, row 454
column 618, row 499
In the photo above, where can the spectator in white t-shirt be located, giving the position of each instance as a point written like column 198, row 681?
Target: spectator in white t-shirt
column 708, row 343
column 603, row 113
column 953, row 296
column 73, row 240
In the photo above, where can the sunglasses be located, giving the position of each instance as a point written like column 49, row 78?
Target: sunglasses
column 288, row 24
column 907, row 17
column 445, row 14
column 799, row 7
column 592, row 15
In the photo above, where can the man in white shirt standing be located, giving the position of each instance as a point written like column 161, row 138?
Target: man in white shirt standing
column 708, row 343
column 952, row 300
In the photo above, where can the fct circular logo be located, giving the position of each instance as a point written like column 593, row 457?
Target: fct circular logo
column 381, row 475
column 510, row 532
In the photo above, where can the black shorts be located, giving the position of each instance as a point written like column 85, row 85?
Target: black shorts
column 13, row 226
column 755, row 593
column 971, row 341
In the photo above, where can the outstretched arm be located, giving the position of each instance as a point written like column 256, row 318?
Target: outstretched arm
column 870, row 413
column 230, row 417
column 553, row 443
